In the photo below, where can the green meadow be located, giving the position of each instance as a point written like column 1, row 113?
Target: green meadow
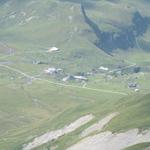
column 33, row 103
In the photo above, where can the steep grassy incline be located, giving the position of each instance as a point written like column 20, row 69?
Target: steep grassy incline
column 33, row 102
column 29, row 26
column 125, row 39
column 134, row 113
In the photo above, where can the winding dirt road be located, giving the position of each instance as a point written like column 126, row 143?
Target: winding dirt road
column 61, row 84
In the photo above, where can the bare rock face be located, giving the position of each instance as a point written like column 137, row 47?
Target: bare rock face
column 99, row 125
column 54, row 135
column 109, row 141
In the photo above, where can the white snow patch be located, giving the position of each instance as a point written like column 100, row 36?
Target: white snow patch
column 52, row 49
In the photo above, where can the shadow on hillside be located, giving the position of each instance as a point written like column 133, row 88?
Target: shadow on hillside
column 126, row 38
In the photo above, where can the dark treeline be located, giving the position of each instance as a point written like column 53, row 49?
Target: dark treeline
column 126, row 38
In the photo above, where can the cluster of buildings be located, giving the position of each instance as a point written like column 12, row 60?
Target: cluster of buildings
column 53, row 70
column 84, row 77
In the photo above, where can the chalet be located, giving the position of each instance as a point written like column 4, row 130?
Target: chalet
column 103, row 68
column 52, row 70
column 81, row 78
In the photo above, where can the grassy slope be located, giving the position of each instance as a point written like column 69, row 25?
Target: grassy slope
column 22, row 117
column 134, row 114
column 52, row 28
column 49, row 27
column 29, row 110
column 33, row 109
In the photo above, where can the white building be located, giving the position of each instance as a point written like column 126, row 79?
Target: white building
column 103, row 68
column 66, row 79
column 71, row 77
column 52, row 70
column 80, row 78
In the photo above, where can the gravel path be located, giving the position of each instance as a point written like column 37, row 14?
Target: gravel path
column 61, row 84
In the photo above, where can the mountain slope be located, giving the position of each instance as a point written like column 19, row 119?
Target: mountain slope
column 62, row 60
